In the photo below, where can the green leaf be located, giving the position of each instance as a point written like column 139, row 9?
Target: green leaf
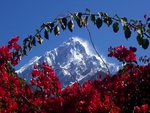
column 24, row 52
column 56, row 30
column 148, row 19
column 79, row 15
column 99, row 22
column 30, row 46
column 124, row 28
column 25, row 40
column 87, row 10
column 124, row 21
column 30, row 37
column 127, row 32
column 85, row 21
column 39, row 39
column 75, row 16
column 93, row 19
column 142, row 41
column 139, row 39
column 139, row 27
column 105, row 15
column 148, row 31
column 70, row 25
column 148, row 25
column 46, row 34
column 34, row 41
column 108, row 21
column 139, row 31
column 79, row 22
column 115, row 27
column 63, row 27
column 63, row 22
column 24, row 46
column 78, row 19
column 100, row 15
column 21, row 51
column 51, row 26
column 145, row 43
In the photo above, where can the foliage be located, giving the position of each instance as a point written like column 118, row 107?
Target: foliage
column 142, row 28
column 126, row 91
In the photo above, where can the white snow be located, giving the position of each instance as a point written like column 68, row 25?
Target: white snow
column 78, row 59
column 86, row 45
column 32, row 61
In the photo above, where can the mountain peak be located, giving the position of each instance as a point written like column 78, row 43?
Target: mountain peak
column 81, row 42
column 72, row 39
column 71, row 50
column 71, row 58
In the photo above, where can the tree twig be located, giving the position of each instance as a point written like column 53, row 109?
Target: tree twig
column 97, row 51
column 38, row 109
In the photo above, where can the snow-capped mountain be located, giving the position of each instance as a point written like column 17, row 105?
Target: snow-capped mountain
column 70, row 60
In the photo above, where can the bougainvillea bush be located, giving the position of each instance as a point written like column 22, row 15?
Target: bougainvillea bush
column 127, row 91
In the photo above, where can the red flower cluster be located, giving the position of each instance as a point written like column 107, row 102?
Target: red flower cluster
column 122, row 53
column 46, row 80
column 13, row 43
column 142, row 109
column 127, row 91
column 6, row 52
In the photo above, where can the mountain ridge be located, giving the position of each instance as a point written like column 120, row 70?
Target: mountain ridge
column 72, row 57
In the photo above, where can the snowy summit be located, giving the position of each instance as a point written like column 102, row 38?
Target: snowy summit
column 71, row 58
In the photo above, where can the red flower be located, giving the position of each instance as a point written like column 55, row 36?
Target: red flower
column 2, row 92
column 123, row 54
column 35, row 66
column 16, row 46
column 145, row 16
column 100, row 75
column 137, row 109
column 144, row 108
column 13, row 40
column 37, row 102
column 110, row 94
column 11, row 105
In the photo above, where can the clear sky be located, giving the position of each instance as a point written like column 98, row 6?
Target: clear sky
column 23, row 17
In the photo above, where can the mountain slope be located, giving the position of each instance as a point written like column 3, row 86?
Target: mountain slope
column 70, row 60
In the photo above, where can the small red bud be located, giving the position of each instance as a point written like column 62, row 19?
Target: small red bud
column 145, row 16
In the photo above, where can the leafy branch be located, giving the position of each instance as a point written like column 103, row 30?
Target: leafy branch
column 81, row 20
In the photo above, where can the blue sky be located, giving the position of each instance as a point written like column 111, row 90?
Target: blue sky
column 23, row 17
